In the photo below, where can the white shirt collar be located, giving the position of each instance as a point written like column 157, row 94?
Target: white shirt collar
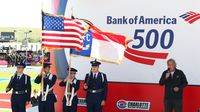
column 47, row 74
column 172, row 73
column 19, row 75
column 96, row 74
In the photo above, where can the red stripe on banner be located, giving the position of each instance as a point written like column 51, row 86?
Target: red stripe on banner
column 191, row 12
column 59, row 46
column 139, row 59
column 107, row 36
column 61, row 35
column 62, row 41
column 191, row 17
column 147, row 54
column 195, row 19
column 75, row 25
column 73, row 30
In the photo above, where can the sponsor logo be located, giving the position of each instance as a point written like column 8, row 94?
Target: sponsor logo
column 81, row 102
column 133, row 105
column 141, row 20
column 190, row 17
column 143, row 57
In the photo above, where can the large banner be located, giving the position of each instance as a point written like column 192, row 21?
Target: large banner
column 156, row 30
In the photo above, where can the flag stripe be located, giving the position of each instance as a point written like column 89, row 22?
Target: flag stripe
column 63, row 41
column 62, row 46
column 74, row 30
column 73, row 22
column 62, row 38
column 75, row 25
column 67, row 31
column 105, row 36
column 61, row 35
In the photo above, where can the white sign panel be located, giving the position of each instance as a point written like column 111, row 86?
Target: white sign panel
column 156, row 33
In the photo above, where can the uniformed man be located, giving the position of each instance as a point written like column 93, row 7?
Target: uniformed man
column 47, row 100
column 20, row 84
column 174, row 81
column 96, row 85
column 72, row 84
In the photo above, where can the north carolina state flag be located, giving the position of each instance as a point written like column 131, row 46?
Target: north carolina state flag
column 104, row 46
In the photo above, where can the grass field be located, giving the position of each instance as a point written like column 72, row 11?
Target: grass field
column 6, row 73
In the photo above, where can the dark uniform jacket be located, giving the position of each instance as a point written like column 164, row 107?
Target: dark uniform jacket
column 96, row 84
column 74, row 84
column 19, row 85
column 178, row 80
column 49, row 82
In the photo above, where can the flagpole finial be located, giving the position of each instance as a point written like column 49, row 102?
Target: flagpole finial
column 72, row 14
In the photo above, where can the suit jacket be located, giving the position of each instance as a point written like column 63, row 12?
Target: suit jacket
column 19, row 85
column 98, row 83
column 178, row 80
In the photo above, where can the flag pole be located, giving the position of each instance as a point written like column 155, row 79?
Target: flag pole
column 68, row 83
column 42, row 77
column 42, row 80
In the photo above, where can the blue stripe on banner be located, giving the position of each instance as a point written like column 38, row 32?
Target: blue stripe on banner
column 62, row 7
column 183, row 15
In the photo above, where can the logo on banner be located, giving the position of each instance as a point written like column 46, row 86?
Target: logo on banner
column 190, row 17
column 155, row 41
column 133, row 105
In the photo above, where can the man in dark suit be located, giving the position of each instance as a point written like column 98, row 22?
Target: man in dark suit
column 47, row 100
column 96, row 85
column 174, row 81
column 21, row 85
column 72, row 85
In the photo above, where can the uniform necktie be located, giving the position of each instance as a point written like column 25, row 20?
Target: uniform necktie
column 95, row 76
column 18, row 77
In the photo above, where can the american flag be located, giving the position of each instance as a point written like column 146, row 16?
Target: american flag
column 61, row 32
column 190, row 17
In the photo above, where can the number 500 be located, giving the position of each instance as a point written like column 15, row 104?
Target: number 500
column 152, row 44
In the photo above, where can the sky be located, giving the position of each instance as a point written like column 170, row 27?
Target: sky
column 20, row 13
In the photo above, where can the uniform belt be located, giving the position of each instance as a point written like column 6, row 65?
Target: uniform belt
column 19, row 92
column 71, row 94
column 95, row 90
column 50, row 92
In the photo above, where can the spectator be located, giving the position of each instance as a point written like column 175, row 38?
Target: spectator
column 35, row 98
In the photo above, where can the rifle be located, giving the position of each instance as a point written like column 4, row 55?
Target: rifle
column 8, row 88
